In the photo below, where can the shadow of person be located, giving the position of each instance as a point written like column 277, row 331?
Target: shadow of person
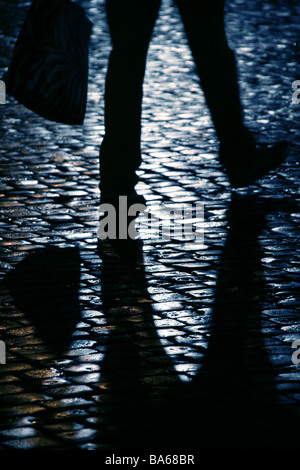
column 232, row 403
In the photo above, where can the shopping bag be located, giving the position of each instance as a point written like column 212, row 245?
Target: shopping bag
column 48, row 72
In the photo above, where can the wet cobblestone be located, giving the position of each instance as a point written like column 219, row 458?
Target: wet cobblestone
column 128, row 346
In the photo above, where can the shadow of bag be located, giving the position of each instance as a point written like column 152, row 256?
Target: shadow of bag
column 48, row 72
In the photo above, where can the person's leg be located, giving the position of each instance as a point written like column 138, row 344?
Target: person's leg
column 131, row 24
column 216, row 65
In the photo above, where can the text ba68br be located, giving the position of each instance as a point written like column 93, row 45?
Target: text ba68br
column 171, row 459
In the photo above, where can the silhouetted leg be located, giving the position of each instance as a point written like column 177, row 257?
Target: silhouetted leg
column 216, row 65
column 131, row 24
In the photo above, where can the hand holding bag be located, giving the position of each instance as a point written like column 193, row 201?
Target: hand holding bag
column 48, row 72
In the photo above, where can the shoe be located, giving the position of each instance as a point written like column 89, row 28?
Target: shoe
column 249, row 168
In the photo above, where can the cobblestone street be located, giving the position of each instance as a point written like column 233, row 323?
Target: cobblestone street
column 153, row 345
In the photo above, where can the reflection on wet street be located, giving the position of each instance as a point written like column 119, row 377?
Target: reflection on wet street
column 166, row 345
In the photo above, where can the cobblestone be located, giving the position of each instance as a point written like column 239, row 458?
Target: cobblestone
column 165, row 345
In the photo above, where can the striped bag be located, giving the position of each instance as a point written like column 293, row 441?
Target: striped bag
column 48, row 72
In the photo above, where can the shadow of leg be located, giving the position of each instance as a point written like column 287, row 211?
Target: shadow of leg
column 236, row 386
column 136, row 368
